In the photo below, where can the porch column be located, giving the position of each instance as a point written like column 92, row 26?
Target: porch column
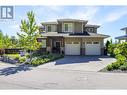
column 62, row 46
column 81, row 47
column 49, row 45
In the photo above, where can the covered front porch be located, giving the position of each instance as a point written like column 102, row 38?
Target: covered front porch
column 55, row 44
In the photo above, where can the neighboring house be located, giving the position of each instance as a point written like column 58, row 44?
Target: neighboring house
column 72, row 37
column 122, row 38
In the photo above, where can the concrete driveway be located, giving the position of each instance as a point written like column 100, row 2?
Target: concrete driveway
column 81, row 63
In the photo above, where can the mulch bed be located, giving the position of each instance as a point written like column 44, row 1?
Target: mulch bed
column 113, row 71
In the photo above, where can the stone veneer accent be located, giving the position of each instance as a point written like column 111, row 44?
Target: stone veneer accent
column 49, row 49
column 102, row 51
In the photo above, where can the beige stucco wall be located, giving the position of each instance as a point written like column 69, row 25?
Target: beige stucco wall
column 77, row 27
column 72, row 39
column 59, row 27
column 82, row 43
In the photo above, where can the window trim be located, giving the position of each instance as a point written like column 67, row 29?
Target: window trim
column 71, row 24
column 89, row 42
column 43, row 45
column 48, row 28
column 53, row 28
column 96, row 42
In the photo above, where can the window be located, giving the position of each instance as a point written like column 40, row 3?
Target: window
column 43, row 43
column 88, row 42
column 95, row 42
column 91, row 29
column 49, row 28
column 83, row 42
column 68, row 27
column 68, row 42
column 75, row 42
column 87, row 29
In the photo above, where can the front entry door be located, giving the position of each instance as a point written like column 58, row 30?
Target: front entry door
column 58, row 47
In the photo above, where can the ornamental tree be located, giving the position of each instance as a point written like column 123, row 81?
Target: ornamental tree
column 29, row 33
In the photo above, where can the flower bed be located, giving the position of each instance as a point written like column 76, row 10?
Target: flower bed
column 41, row 59
column 37, row 59
column 13, row 58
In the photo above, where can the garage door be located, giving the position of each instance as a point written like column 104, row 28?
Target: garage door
column 92, row 48
column 72, row 48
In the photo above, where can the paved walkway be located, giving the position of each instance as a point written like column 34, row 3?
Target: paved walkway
column 82, row 63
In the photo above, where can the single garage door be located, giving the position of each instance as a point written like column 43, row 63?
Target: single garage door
column 93, row 48
column 72, row 48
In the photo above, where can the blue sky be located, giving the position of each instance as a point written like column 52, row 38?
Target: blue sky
column 111, row 18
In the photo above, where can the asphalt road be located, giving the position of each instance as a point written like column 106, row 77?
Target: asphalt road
column 63, row 79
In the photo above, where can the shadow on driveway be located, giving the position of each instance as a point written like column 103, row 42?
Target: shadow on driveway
column 14, row 70
column 78, row 59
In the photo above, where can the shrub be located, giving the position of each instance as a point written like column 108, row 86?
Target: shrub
column 117, row 51
column 109, row 67
column 27, row 55
column 111, row 48
column 120, row 57
column 116, row 65
column 37, row 62
column 13, row 56
column 16, row 58
column 22, row 59
column 123, row 67
column 46, row 60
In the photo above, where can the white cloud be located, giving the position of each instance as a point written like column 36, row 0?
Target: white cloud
column 50, row 13
column 116, row 15
column 16, row 26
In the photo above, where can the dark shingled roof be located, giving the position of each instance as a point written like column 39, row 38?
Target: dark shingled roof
column 90, row 25
column 44, row 23
column 120, row 37
column 124, row 28
column 74, row 35
column 75, row 20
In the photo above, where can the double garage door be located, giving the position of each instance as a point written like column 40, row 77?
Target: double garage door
column 91, row 48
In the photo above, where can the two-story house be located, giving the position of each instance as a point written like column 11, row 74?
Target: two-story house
column 122, row 38
column 72, row 37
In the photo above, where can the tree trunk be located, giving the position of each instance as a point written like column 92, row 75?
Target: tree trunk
column 30, row 56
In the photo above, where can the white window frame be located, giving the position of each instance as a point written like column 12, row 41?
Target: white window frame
column 89, row 42
column 53, row 28
column 69, row 30
column 44, row 45
column 96, row 42
column 47, row 28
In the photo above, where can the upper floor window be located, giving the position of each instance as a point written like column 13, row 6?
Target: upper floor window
column 68, row 27
column 89, row 30
column 49, row 28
